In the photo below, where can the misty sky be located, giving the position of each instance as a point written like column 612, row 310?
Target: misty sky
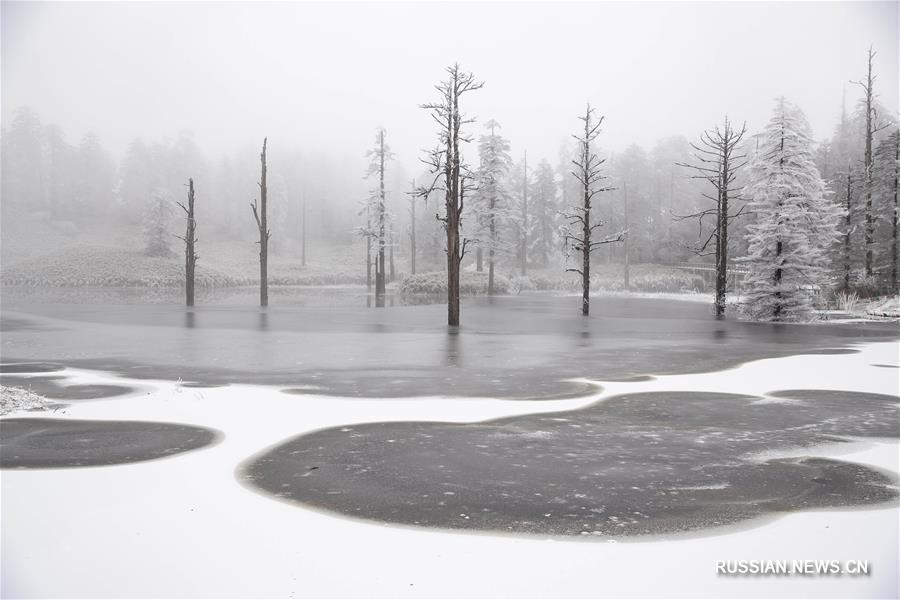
column 321, row 77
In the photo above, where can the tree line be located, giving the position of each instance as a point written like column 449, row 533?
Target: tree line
column 801, row 217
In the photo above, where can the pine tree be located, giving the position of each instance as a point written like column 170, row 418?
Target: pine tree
column 795, row 225
column 887, row 182
column 492, row 198
column 381, row 226
column 157, row 219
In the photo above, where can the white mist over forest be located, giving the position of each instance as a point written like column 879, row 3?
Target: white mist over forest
column 109, row 108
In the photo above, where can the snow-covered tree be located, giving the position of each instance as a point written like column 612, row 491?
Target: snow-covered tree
column 492, row 199
column 795, row 223
column 887, row 180
column 379, row 224
column 446, row 163
column 157, row 224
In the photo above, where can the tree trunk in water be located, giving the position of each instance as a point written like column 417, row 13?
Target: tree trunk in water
column 492, row 228
column 525, row 215
column 412, row 235
column 303, row 233
column 776, row 314
column 722, row 240
column 626, row 271
column 848, row 223
column 894, row 287
column 867, row 163
column 380, row 267
column 259, row 213
column 190, row 257
column 452, row 267
column 586, row 259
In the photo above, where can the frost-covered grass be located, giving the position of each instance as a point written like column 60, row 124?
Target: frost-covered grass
column 220, row 265
column 99, row 266
column 644, row 278
column 13, row 399
column 471, row 283
column 849, row 307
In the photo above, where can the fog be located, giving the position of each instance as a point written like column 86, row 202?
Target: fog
column 108, row 108
column 321, row 77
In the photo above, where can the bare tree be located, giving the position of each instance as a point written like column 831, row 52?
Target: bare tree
column 303, row 230
column 869, row 105
column 190, row 241
column 413, row 196
column 579, row 228
column 846, row 246
column 445, row 162
column 523, row 217
column 259, row 213
column 716, row 161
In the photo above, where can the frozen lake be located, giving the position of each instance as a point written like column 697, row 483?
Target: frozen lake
column 327, row 341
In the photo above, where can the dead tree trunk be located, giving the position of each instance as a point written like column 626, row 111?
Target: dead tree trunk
column 259, row 213
column 446, row 162
column 868, row 87
column 368, row 249
column 412, row 229
column 190, row 241
column 626, row 273
column 717, row 163
column 896, row 215
column 848, row 229
column 524, row 215
column 303, row 231
column 580, row 229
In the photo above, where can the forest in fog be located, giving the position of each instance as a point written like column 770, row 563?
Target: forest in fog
column 695, row 211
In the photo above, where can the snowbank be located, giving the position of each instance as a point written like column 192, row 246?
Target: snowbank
column 13, row 399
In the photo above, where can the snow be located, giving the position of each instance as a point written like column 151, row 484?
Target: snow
column 185, row 526
column 13, row 399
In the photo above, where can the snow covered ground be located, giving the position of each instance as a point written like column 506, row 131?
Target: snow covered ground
column 185, row 526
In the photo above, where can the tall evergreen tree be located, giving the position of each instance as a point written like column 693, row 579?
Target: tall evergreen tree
column 492, row 198
column 795, row 225
column 887, row 180
column 157, row 225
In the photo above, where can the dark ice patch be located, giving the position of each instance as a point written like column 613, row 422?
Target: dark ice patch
column 19, row 324
column 55, row 388
column 634, row 464
column 59, row 443
column 30, row 367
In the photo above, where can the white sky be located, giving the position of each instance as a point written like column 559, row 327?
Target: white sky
column 322, row 76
